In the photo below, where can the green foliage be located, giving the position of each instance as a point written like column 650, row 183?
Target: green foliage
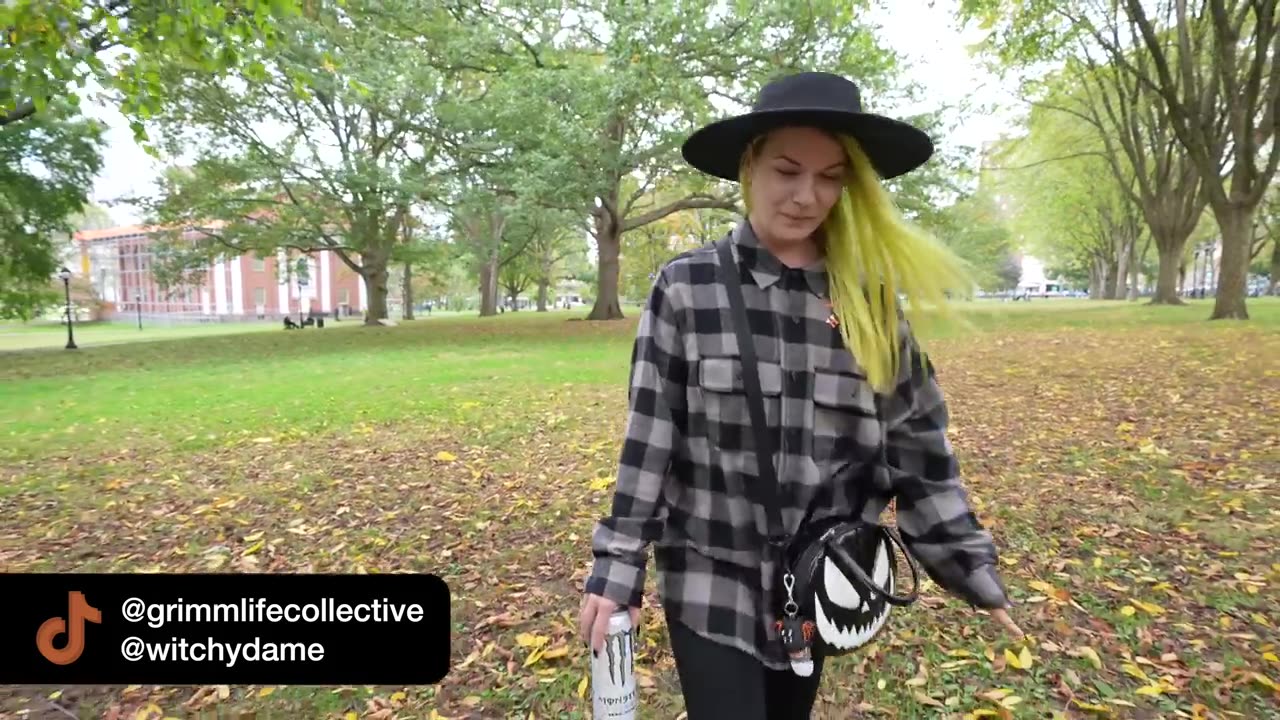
column 47, row 166
column 52, row 46
column 975, row 229
column 348, row 170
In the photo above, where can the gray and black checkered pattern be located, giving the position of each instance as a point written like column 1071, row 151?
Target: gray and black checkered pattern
column 688, row 450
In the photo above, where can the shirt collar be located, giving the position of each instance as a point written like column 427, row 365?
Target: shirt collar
column 768, row 270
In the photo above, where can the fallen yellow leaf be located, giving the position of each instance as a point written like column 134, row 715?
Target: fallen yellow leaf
column 1134, row 670
column 445, row 456
column 1148, row 608
column 582, row 686
column 534, row 657
column 266, row 691
column 1043, row 587
column 1091, row 707
column 525, row 639
column 1270, row 657
column 1090, row 654
column 398, row 696
column 1127, row 611
column 556, row 652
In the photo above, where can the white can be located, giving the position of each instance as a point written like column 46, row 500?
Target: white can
column 613, row 681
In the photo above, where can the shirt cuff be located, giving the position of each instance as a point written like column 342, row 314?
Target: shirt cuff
column 983, row 588
column 616, row 580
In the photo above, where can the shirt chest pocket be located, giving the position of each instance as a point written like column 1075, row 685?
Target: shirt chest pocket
column 845, row 423
column 724, row 397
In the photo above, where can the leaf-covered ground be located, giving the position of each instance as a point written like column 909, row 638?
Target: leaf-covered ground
column 1126, row 458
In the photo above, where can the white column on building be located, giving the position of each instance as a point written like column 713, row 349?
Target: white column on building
column 237, row 286
column 364, row 295
column 313, row 282
column 282, row 278
column 205, row 300
column 324, row 280
column 220, row 287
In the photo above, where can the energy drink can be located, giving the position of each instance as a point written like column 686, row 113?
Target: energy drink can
column 613, row 682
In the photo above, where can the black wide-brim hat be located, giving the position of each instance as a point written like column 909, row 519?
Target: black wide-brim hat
column 813, row 99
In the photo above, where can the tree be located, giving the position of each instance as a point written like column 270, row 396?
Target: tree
column 354, row 103
column 47, row 167
column 1218, row 59
column 610, row 95
column 974, row 229
column 1074, row 213
column 49, row 46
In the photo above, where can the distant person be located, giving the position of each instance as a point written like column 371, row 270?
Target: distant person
column 855, row 415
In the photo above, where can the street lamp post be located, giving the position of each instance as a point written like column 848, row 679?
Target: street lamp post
column 137, row 303
column 65, row 274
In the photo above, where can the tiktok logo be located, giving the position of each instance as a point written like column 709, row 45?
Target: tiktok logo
column 79, row 611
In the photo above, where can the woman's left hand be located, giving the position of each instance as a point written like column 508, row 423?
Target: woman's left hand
column 1002, row 615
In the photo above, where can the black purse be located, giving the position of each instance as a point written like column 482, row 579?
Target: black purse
column 837, row 574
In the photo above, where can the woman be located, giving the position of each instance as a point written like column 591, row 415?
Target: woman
column 844, row 382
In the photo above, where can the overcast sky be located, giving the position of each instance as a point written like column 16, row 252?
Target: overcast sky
column 923, row 30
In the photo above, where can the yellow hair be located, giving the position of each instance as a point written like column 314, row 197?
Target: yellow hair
column 873, row 254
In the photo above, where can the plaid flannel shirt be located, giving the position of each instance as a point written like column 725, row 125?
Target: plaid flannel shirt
column 688, row 433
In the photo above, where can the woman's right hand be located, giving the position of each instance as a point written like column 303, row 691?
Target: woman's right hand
column 593, row 621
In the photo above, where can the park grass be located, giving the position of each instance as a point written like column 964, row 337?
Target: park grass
column 1125, row 456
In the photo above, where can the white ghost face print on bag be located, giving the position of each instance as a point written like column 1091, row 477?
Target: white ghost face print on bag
column 847, row 613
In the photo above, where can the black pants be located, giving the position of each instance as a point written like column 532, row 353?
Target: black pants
column 719, row 681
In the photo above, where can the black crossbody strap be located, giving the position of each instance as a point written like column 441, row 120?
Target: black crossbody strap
column 769, row 488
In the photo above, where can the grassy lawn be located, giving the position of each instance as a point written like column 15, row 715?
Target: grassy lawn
column 1126, row 457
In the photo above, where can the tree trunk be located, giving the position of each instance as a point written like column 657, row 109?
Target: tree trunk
column 1275, row 267
column 513, row 298
column 1109, row 276
column 609, row 247
column 1122, row 269
column 407, row 292
column 543, row 286
column 376, row 281
column 1097, row 280
column 1135, row 270
column 489, row 287
column 1169, row 273
column 1236, row 224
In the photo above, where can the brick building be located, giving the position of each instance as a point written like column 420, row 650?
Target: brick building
column 119, row 262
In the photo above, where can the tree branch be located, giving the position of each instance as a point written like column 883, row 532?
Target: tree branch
column 688, row 203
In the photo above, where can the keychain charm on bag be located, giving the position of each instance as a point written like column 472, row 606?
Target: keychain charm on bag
column 796, row 633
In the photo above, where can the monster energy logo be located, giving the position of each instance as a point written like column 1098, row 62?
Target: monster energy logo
column 618, row 659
